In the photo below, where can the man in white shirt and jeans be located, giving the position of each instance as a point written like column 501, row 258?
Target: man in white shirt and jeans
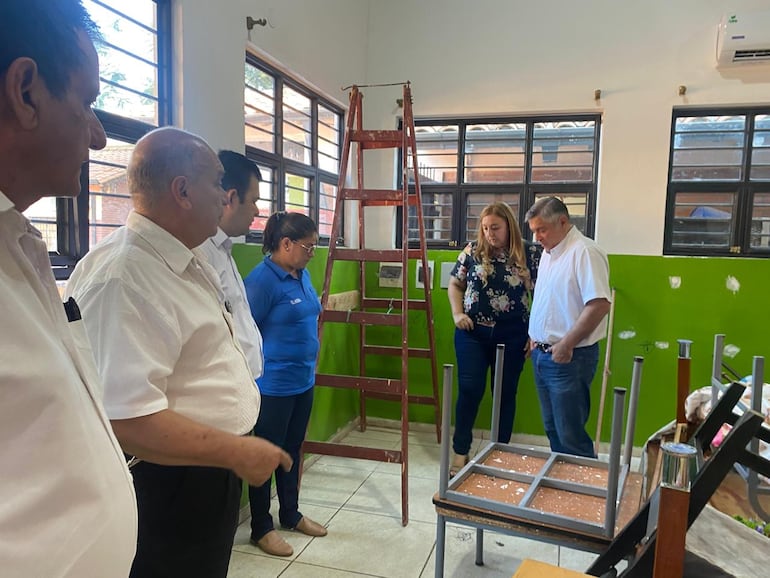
column 568, row 318
column 241, row 185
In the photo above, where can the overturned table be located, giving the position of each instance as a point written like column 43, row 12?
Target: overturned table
column 570, row 501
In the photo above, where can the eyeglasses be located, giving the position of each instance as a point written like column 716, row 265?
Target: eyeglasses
column 309, row 249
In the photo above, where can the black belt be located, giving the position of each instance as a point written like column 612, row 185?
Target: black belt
column 544, row 347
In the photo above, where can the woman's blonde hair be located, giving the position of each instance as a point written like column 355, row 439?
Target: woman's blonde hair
column 517, row 258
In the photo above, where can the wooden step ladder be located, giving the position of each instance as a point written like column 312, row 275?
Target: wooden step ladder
column 379, row 312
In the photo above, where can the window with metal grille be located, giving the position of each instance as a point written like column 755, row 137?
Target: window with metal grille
column 294, row 135
column 134, row 98
column 718, row 198
column 465, row 164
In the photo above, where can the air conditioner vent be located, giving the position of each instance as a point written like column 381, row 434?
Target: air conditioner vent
column 751, row 55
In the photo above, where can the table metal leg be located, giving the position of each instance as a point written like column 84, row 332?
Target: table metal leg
column 440, row 544
column 479, row 547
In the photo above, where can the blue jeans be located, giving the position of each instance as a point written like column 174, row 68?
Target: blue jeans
column 564, row 390
column 283, row 421
column 475, row 351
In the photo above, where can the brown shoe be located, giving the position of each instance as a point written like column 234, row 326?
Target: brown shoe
column 310, row 528
column 272, row 543
column 458, row 462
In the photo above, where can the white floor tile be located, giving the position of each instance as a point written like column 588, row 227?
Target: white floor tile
column 371, row 544
column 502, row 554
column 300, row 570
column 244, row 565
column 575, row 559
column 330, row 486
column 380, row 494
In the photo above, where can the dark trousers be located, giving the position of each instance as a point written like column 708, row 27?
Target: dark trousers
column 283, row 421
column 187, row 520
column 476, row 350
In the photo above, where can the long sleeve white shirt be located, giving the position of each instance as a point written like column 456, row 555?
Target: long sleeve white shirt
column 219, row 252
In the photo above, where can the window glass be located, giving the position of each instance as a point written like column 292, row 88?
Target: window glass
column 719, row 186
column 708, row 148
column 563, row 152
column 326, row 204
column 297, row 194
column 328, row 139
column 760, row 154
column 108, row 200
column 703, row 220
column 437, row 217
column 295, row 136
column 297, row 125
column 437, row 148
column 760, row 222
column 495, row 153
column 467, row 163
column 475, row 203
column 128, row 58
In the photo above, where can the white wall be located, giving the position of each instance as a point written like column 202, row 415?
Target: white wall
column 322, row 41
column 519, row 56
column 484, row 57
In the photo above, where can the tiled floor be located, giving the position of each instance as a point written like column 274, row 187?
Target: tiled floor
column 360, row 503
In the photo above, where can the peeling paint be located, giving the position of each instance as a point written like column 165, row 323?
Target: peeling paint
column 731, row 350
column 675, row 282
column 732, row 284
column 627, row 334
column 661, row 344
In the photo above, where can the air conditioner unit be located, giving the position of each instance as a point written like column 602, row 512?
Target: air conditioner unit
column 743, row 38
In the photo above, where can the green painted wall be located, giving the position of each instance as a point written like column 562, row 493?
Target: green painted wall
column 648, row 312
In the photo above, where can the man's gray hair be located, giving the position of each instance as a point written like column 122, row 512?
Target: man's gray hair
column 549, row 209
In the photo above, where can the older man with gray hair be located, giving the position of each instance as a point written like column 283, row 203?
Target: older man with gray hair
column 178, row 388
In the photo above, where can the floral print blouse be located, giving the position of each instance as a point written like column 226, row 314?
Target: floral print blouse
column 497, row 292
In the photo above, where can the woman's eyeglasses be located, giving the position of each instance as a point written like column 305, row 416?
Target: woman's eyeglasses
column 309, row 249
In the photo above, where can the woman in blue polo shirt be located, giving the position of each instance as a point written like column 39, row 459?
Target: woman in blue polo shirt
column 285, row 307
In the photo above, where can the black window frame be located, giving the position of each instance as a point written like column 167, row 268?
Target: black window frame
column 744, row 188
column 280, row 165
column 72, row 214
column 527, row 190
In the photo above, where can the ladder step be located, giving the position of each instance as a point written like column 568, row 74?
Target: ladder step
column 378, row 139
column 359, row 452
column 363, row 383
column 360, row 317
column 396, row 351
column 378, row 197
column 378, row 255
column 395, row 304
column 419, row 399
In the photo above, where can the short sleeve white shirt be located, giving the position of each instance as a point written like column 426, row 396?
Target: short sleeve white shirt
column 570, row 275
column 162, row 337
column 67, row 504
column 218, row 251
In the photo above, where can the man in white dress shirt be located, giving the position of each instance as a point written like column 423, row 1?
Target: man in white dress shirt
column 568, row 318
column 67, row 505
column 178, row 388
column 241, row 185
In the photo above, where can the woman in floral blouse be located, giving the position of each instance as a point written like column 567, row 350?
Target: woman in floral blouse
column 490, row 293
